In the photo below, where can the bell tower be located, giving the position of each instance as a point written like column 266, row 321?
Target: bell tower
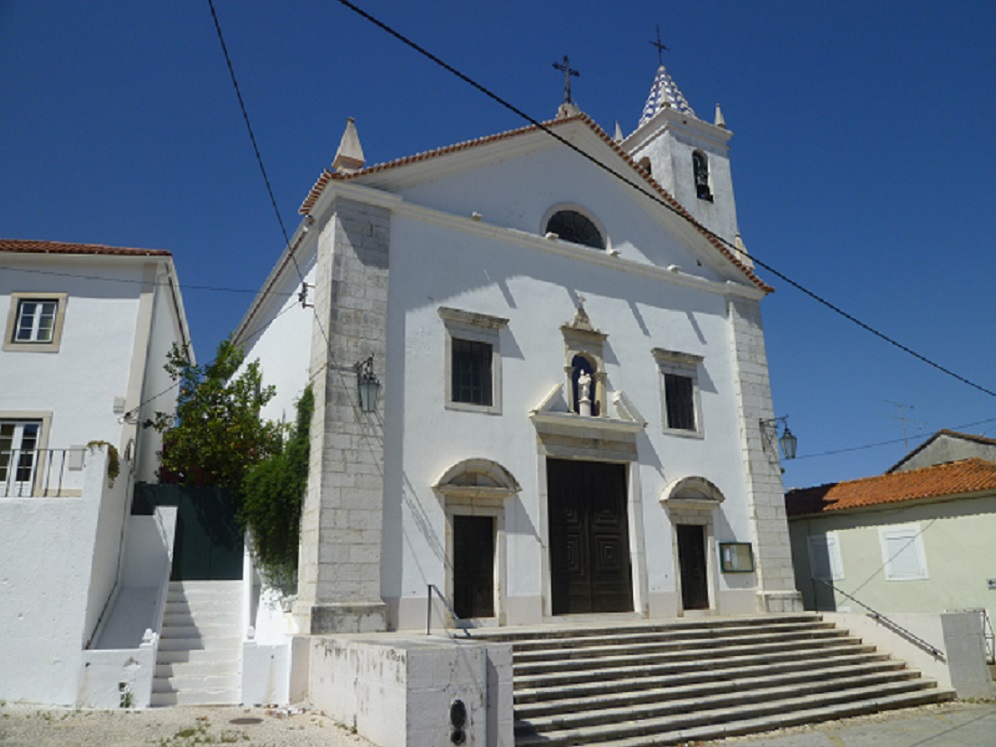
column 687, row 156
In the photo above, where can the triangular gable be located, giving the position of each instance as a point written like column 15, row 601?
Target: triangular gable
column 940, row 435
column 627, row 168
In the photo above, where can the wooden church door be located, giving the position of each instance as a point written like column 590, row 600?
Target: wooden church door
column 589, row 537
column 692, row 563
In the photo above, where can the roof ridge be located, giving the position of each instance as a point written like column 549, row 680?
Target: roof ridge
column 44, row 246
column 327, row 176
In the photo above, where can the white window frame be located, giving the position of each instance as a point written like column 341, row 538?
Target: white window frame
column 43, row 420
column 475, row 327
column 14, row 316
column 828, row 544
column 680, row 364
column 912, row 537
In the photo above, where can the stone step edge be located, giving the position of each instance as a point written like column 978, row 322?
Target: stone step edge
column 595, row 638
column 571, row 701
column 688, row 702
column 685, row 721
column 608, row 667
column 706, row 644
column 558, row 630
column 760, row 725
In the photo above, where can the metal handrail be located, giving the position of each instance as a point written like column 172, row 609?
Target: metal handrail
column 988, row 635
column 449, row 608
column 889, row 623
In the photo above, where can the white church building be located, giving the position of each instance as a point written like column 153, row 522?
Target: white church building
column 574, row 413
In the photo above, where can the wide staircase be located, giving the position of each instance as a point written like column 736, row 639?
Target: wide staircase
column 636, row 684
column 200, row 647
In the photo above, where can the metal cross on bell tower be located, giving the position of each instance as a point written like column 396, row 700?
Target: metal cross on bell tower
column 660, row 46
column 568, row 71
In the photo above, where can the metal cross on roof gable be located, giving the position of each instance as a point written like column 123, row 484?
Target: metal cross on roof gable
column 660, row 46
column 568, row 71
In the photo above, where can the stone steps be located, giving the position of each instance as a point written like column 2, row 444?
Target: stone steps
column 639, row 684
column 200, row 647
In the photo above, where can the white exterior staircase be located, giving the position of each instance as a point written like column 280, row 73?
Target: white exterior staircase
column 200, row 647
column 641, row 684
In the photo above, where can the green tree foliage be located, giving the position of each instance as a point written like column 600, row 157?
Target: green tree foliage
column 216, row 435
column 273, row 493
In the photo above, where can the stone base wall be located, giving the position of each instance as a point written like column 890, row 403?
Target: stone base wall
column 399, row 692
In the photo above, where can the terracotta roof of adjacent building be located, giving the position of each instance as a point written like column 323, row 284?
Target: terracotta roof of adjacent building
column 964, row 477
column 328, row 176
column 35, row 246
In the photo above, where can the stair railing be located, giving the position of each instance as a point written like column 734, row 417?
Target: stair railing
column 428, row 610
column 987, row 633
column 890, row 623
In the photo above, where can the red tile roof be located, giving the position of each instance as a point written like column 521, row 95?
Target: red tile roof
column 34, row 246
column 328, row 176
column 963, row 477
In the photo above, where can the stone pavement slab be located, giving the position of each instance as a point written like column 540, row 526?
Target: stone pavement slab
column 953, row 724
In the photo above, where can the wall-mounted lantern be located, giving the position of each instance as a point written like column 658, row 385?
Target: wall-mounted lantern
column 787, row 440
column 368, row 385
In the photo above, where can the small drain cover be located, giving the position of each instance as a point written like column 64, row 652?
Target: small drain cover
column 245, row 721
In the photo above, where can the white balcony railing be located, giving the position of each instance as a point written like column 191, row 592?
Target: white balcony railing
column 41, row 473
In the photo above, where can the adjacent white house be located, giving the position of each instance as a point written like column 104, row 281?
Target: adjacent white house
column 86, row 329
column 574, row 412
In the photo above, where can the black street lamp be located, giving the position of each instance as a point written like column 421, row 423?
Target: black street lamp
column 368, row 385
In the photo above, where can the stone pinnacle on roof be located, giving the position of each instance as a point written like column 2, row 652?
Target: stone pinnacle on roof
column 349, row 158
column 665, row 94
column 719, row 121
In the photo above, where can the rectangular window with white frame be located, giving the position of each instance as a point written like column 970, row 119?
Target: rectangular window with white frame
column 825, row 561
column 903, row 557
column 20, row 452
column 472, row 360
column 681, row 408
column 34, row 322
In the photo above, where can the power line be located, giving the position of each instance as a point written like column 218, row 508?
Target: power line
column 329, row 356
column 890, row 442
column 262, row 168
column 639, row 188
column 798, row 286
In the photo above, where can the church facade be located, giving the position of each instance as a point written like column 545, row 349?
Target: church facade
column 574, row 411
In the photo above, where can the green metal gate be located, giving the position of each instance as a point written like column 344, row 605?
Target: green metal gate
column 209, row 543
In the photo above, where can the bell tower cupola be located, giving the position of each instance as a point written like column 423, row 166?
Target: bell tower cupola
column 687, row 156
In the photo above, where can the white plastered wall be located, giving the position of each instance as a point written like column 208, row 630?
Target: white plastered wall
column 537, row 292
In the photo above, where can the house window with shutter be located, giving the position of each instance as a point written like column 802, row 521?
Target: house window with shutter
column 903, row 557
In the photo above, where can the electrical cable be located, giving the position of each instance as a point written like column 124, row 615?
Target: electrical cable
column 890, row 442
column 639, row 188
column 370, row 437
column 798, row 286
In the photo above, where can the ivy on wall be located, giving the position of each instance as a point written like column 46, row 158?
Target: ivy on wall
column 272, row 496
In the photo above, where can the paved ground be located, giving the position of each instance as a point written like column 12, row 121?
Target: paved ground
column 24, row 726
column 946, row 725
column 955, row 724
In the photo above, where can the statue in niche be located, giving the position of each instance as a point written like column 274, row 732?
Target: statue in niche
column 584, row 394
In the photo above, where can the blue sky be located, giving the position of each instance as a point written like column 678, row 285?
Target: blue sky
column 863, row 158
